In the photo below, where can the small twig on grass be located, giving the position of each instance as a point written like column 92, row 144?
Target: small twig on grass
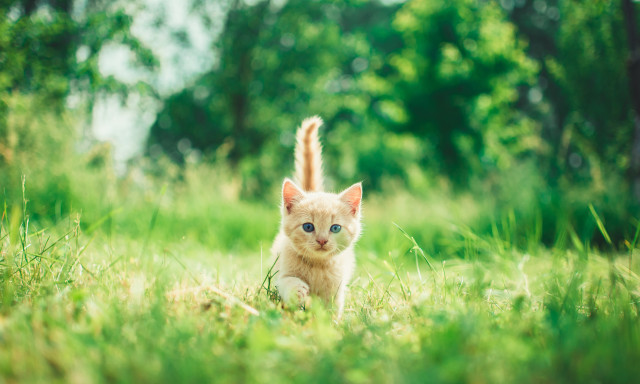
column 217, row 291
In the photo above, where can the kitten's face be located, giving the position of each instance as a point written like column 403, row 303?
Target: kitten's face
column 321, row 224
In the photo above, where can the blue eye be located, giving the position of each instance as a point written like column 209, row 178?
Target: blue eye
column 335, row 228
column 307, row 227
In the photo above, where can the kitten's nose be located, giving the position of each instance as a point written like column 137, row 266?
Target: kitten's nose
column 322, row 242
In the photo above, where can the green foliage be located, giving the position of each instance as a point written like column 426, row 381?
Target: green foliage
column 582, row 49
column 32, row 148
column 277, row 66
column 458, row 75
column 590, row 67
column 502, row 98
column 50, row 47
column 49, row 51
column 439, row 66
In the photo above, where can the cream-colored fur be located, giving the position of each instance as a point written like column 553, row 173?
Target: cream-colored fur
column 318, row 262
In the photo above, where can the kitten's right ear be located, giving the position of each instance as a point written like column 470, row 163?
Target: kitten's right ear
column 290, row 194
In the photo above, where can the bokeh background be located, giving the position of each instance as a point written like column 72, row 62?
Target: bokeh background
column 514, row 116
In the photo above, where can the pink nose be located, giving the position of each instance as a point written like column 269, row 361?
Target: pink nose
column 322, row 242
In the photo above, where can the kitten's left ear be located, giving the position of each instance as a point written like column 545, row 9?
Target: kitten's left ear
column 353, row 197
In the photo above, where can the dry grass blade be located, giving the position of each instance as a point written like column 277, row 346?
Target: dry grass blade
column 195, row 290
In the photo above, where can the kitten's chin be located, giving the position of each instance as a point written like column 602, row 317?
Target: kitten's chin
column 323, row 251
column 320, row 253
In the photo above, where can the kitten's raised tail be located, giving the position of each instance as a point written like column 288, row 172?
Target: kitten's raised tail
column 309, row 155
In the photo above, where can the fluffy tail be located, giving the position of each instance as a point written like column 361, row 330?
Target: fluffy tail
column 309, row 155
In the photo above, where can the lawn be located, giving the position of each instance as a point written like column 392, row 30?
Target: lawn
column 184, row 295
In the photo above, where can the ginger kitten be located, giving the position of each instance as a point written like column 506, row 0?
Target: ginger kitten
column 318, row 229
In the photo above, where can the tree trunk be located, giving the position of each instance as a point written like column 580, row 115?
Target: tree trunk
column 633, row 68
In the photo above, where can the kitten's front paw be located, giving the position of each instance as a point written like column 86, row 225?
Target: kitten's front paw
column 302, row 291
column 294, row 291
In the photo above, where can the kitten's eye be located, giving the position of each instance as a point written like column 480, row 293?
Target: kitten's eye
column 335, row 228
column 307, row 227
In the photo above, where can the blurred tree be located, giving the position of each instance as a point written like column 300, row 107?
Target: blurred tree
column 633, row 70
column 279, row 64
column 537, row 23
column 586, row 110
column 465, row 89
column 48, row 47
column 49, row 50
column 458, row 79
column 447, row 73
column 582, row 50
column 590, row 68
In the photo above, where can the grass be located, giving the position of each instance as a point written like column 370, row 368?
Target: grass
column 175, row 292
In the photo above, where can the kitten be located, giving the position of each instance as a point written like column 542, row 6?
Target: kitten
column 318, row 229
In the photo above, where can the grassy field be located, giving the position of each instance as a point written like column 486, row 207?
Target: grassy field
column 177, row 290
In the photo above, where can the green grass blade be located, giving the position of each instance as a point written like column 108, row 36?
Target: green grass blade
column 600, row 225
